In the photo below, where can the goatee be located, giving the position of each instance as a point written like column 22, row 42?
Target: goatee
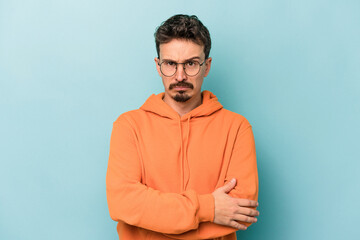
column 181, row 96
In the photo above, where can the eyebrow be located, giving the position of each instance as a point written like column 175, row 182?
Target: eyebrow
column 186, row 60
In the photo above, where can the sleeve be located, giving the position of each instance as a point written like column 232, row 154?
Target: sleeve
column 136, row 204
column 243, row 167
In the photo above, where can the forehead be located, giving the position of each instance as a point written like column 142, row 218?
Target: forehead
column 181, row 49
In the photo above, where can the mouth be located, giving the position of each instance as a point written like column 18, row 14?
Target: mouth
column 182, row 86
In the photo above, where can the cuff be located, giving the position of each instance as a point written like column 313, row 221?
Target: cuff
column 206, row 208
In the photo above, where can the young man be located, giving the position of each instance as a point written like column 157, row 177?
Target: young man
column 182, row 166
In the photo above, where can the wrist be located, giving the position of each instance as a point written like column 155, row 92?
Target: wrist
column 206, row 208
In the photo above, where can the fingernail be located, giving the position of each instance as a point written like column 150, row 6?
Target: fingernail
column 233, row 180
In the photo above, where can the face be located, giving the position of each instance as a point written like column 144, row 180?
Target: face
column 181, row 87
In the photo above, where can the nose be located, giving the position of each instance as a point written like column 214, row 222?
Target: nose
column 180, row 73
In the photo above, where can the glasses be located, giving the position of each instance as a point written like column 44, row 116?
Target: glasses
column 191, row 68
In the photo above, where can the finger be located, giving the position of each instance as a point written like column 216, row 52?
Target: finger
column 247, row 202
column 229, row 186
column 244, row 218
column 247, row 211
column 237, row 225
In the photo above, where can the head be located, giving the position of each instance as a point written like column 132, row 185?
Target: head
column 183, row 39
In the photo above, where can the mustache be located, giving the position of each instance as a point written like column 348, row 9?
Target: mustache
column 181, row 84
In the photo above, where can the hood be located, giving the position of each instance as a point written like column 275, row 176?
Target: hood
column 155, row 104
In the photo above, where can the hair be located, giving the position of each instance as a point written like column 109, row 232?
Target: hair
column 183, row 27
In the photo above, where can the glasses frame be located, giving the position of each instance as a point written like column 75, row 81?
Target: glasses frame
column 176, row 67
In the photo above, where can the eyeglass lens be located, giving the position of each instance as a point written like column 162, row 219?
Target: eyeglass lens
column 169, row 68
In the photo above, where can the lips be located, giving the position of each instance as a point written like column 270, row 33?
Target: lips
column 181, row 86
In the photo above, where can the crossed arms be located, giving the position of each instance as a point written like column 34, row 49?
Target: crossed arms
column 185, row 215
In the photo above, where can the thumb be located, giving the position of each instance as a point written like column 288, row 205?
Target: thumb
column 229, row 186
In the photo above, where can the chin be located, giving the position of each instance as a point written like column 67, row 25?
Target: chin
column 181, row 96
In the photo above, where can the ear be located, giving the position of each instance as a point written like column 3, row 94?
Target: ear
column 157, row 61
column 208, row 66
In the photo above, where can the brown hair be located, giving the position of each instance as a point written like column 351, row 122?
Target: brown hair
column 183, row 27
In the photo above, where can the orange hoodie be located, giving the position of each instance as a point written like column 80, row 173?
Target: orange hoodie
column 163, row 168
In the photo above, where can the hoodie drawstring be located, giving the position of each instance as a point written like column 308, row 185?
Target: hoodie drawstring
column 186, row 152
column 184, row 156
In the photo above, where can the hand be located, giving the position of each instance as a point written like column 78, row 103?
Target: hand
column 229, row 210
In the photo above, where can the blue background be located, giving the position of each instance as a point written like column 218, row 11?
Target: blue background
column 68, row 68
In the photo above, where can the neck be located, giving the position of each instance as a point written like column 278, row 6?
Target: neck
column 183, row 108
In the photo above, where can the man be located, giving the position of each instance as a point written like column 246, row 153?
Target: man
column 182, row 166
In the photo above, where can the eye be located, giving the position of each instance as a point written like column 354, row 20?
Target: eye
column 191, row 63
column 169, row 63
